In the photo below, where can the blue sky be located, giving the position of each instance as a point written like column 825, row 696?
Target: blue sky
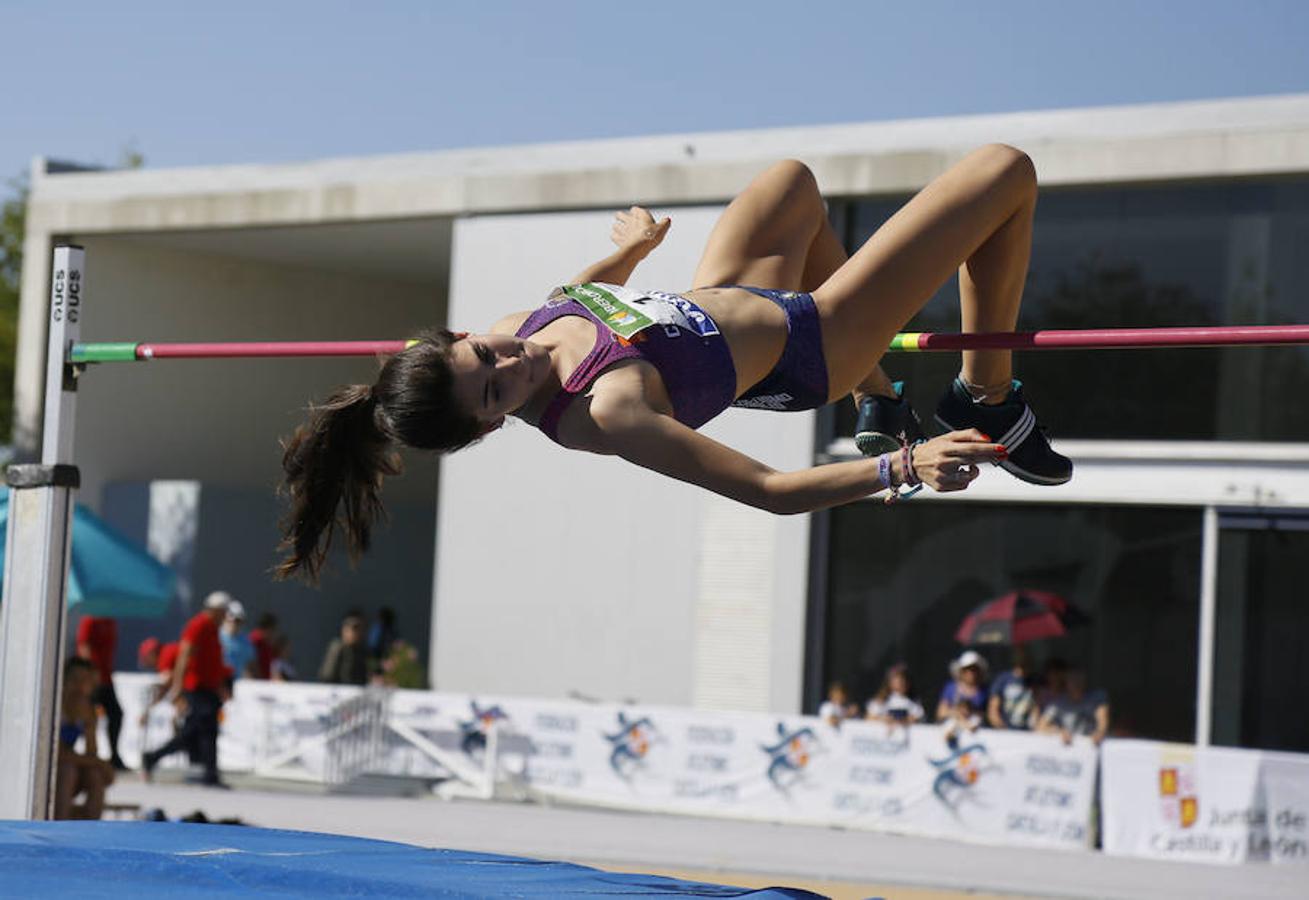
column 278, row 81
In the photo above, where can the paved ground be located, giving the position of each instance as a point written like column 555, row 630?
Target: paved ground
column 838, row 863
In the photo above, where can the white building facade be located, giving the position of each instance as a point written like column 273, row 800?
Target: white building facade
column 530, row 570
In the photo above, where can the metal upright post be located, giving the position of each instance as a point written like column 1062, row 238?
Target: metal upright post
column 36, row 569
column 1204, row 676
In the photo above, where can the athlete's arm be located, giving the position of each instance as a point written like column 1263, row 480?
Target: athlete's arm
column 661, row 443
column 636, row 234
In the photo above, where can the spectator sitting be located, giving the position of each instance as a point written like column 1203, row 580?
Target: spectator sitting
column 1077, row 711
column 346, row 659
column 238, row 652
column 264, row 638
column 1053, row 681
column 1013, row 698
column 893, row 703
column 967, row 682
column 380, row 637
column 836, row 708
column 79, row 773
column 282, row 668
column 962, row 719
column 97, row 639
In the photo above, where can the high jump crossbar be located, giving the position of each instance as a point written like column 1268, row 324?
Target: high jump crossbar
column 913, row 341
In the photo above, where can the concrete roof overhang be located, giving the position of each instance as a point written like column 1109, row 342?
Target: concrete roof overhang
column 387, row 213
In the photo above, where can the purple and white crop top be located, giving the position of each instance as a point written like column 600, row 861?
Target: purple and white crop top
column 666, row 330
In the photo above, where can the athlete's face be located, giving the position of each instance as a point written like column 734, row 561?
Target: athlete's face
column 496, row 374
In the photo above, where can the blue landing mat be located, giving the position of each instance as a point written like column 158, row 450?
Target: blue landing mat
column 170, row 860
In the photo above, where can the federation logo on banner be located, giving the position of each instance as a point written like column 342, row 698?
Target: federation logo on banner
column 475, row 730
column 790, row 755
column 630, row 744
column 1179, row 796
column 959, row 773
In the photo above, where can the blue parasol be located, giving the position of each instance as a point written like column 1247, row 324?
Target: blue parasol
column 109, row 575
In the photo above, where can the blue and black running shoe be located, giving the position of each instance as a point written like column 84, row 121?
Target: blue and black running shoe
column 1011, row 423
column 884, row 424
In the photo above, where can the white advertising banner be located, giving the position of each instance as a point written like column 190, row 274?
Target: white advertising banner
column 1213, row 804
column 997, row 787
column 987, row 786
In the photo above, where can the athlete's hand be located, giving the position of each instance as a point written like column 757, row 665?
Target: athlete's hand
column 950, row 462
column 636, row 229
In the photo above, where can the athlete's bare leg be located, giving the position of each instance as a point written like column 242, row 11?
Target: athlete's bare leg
column 776, row 234
column 977, row 218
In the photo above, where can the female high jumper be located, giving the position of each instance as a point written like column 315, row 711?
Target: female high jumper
column 778, row 317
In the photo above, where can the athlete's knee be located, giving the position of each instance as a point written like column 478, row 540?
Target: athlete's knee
column 796, row 174
column 1011, row 166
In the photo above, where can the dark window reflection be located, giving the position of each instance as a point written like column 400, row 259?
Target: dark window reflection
column 902, row 579
column 1202, row 254
column 1261, row 668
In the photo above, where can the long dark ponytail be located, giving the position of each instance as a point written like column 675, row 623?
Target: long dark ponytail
column 334, row 464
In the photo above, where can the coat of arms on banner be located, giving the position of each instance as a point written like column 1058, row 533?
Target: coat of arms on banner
column 1179, row 795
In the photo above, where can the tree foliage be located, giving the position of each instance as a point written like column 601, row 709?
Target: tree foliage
column 13, row 229
column 13, row 219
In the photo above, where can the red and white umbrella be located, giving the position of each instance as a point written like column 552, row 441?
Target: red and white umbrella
column 1018, row 617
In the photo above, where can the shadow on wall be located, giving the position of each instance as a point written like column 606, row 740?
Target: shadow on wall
column 222, row 538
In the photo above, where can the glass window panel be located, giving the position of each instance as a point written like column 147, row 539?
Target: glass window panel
column 1261, row 671
column 1196, row 254
column 902, row 580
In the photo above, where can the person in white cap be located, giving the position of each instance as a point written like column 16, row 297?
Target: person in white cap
column 967, row 682
column 201, row 675
column 238, row 652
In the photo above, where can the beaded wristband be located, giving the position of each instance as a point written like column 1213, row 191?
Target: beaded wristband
column 910, row 474
column 884, row 475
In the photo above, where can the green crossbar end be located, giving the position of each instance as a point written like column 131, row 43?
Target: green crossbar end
column 97, row 353
column 907, row 340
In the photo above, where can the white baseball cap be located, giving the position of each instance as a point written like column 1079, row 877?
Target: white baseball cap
column 966, row 659
column 219, row 600
column 235, row 610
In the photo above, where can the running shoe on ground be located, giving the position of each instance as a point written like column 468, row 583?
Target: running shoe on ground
column 1011, row 424
column 885, row 425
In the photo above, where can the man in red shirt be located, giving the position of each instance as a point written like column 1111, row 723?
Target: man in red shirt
column 264, row 638
column 200, row 675
column 161, row 658
column 97, row 639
